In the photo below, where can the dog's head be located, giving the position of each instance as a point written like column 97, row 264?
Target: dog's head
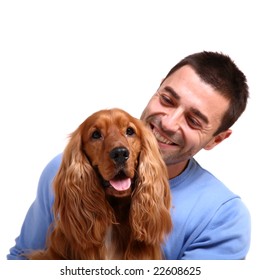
column 112, row 142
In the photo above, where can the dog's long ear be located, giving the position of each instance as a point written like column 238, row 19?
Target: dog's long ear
column 150, row 211
column 81, row 210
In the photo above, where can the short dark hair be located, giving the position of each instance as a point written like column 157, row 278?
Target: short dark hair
column 220, row 72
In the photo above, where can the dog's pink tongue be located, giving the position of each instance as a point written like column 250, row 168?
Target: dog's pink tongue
column 121, row 185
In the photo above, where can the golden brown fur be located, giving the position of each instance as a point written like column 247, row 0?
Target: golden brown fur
column 93, row 220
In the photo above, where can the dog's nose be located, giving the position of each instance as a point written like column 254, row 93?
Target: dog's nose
column 119, row 155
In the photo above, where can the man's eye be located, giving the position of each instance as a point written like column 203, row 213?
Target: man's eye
column 96, row 134
column 166, row 100
column 193, row 122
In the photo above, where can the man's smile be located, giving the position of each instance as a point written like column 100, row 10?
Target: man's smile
column 161, row 138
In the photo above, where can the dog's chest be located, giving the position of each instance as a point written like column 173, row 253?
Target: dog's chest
column 117, row 241
column 112, row 252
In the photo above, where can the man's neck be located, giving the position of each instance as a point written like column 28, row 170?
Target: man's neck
column 176, row 169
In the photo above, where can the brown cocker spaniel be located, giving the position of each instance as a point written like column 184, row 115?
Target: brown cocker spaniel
column 112, row 197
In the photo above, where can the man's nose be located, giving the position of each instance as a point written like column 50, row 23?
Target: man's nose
column 172, row 121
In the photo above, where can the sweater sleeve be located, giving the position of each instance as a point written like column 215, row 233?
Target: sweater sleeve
column 39, row 216
column 225, row 236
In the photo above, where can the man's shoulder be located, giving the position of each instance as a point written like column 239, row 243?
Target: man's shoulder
column 53, row 165
column 48, row 174
column 198, row 184
column 206, row 179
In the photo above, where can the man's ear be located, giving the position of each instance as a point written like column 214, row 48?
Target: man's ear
column 218, row 139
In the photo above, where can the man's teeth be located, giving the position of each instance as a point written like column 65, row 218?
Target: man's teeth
column 161, row 139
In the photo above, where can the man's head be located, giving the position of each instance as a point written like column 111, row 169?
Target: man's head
column 196, row 104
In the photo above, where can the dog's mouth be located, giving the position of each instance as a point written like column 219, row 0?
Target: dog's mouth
column 119, row 184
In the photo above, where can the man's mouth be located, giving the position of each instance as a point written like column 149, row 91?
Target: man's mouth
column 160, row 138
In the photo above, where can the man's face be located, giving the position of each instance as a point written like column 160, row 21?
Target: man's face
column 184, row 114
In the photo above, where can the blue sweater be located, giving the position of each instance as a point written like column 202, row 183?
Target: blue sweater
column 210, row 222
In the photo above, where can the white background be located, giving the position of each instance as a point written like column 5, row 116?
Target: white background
column 62, row 60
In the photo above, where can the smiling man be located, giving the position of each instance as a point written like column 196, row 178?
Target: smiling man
column 196, row 104
column 184, row 114
column 193, row 109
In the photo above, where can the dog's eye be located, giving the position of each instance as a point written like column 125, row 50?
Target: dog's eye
column 130, row 131
column 96, row 134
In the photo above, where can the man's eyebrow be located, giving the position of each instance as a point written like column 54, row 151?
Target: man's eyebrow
column 195, row 111
column 200, row 115
column 172, row 92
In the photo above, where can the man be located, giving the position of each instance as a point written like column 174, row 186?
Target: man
column 193, row 109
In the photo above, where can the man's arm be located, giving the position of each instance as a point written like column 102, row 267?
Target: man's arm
column 39, row 216
column 225, row 237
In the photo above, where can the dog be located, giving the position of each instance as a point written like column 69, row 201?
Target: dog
column 112, row 196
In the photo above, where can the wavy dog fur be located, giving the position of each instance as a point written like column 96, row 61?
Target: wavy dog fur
column 112, row 197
